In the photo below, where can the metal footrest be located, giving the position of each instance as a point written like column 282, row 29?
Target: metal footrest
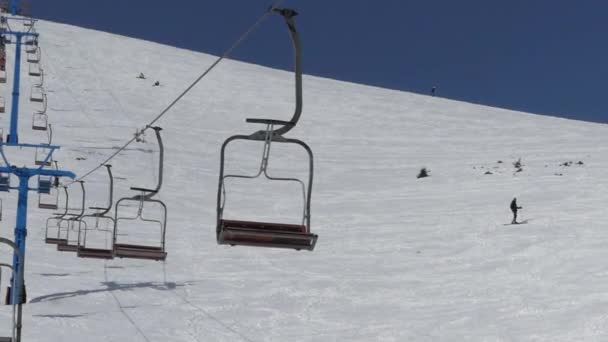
column 139, row 252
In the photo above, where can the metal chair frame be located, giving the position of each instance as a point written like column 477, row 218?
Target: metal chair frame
column 40, row 156
column 37, row 89
column 54, row 205
column 72, row 245
column 36, row 125
column 101, row 214
column 35, row 56
column 145, row 196
column 263, row 234
column 34, row 69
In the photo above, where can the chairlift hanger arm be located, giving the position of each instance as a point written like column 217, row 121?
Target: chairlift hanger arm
column 288, row 15
column 149, row 193
column 82, row 206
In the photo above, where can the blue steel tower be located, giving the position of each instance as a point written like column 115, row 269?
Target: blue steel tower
column 23, row 174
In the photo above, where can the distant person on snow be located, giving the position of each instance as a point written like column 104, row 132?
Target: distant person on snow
column 156, row 84
column 141, row 76
column 514, row 209
column 433, row 91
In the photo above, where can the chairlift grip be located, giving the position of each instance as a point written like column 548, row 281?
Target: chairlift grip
column 288, row 15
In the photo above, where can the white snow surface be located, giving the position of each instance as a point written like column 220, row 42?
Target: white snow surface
column 398, row 258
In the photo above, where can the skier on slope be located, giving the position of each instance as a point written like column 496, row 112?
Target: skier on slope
column 514, row 209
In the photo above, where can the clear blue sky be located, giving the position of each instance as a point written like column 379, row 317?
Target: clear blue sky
column 541, row 56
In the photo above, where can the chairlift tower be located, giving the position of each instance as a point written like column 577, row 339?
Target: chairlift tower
column 23, row 174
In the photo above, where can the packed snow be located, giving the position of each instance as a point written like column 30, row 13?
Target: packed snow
column 398, row 258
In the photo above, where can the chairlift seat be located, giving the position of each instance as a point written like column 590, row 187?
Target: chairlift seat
column 6, row 339
column 55, row 241
column 139, row 252
column 42, row 162
column 264, row 234
column 50, row 206
column 95, row 253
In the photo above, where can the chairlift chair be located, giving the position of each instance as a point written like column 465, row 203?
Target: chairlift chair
column 144, row 200
column 51, row 200
column 40, row 82
column 37, row 94
column 41, row 156
column 75, row 223
column 44, row 105
column 267, row 234
column 31, row 43
column 55, row 222
column 29, row 22
column 5, row 182
column 34, row 57
column 45, row 183
column 40, row 122
column 87, row 249
column 34, row 69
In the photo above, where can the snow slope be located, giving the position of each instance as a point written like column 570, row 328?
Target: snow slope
column 398, row 258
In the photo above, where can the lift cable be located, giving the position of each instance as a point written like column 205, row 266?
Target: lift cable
column 238, row 42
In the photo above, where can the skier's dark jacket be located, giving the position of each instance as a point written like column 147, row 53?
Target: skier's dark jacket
column 514, row 205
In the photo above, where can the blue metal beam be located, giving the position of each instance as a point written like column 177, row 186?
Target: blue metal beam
column 27, row 172
column 13, row 137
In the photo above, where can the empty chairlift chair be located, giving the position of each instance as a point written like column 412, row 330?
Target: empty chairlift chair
column 5, row 182
column 74, row 224
column 270, row 234
column 51, row 199
column 154, row 246
column 31, row 44
column 34, row 57
column 53, row 224
column 37, row 94
column 34, row 69
column 40, row 122
column 42, row 156
column 95, row 238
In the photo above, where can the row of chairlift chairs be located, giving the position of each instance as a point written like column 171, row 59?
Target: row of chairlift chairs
column 100, row 235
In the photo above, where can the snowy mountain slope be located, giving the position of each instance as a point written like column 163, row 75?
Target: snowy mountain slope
column 398, row 258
